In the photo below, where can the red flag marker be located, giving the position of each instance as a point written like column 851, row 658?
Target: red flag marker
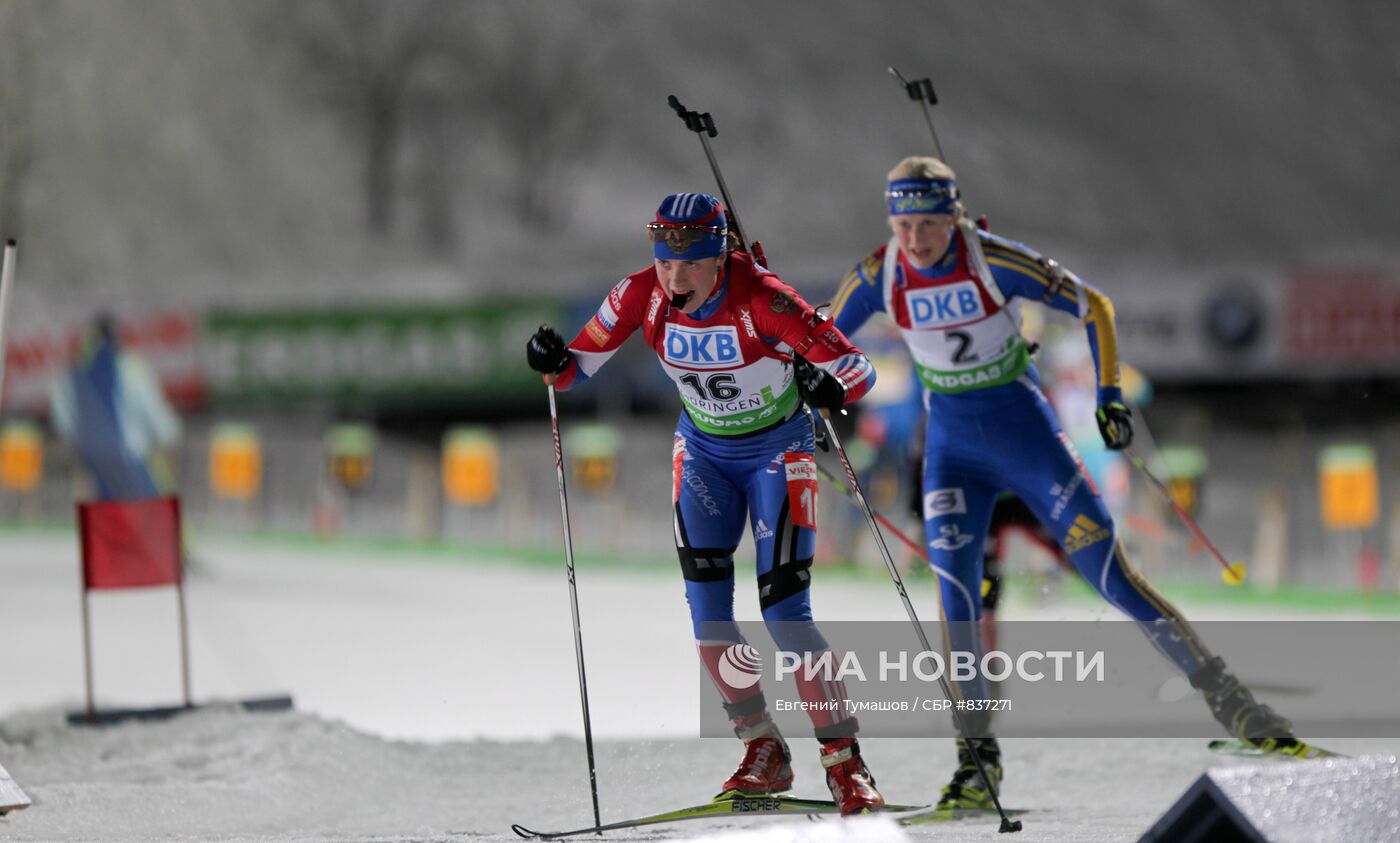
column 130, row 544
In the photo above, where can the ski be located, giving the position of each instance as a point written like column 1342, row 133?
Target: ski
column 923, row 816
column 1285, row 747
column 728, row 806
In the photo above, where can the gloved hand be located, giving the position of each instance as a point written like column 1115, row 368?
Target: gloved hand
column 1115, row 425
column 820, row 390
column 547, row 352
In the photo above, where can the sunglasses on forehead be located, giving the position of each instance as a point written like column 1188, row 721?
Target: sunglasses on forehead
column 681, row 236
column 935, row 192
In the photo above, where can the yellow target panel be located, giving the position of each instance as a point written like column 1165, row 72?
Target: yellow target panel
column 1349, row 487
column 235, row 462
column 21, row 456
column 471, row 467
column 350, row 448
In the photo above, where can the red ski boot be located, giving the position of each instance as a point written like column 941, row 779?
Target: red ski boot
column 767, row 764
column 850, row 781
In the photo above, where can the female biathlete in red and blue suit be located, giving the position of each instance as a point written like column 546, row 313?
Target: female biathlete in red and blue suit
column 745, row 351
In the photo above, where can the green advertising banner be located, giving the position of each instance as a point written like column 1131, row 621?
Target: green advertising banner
column 413, row 353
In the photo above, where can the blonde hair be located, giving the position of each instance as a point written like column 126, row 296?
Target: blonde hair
column 921, row 167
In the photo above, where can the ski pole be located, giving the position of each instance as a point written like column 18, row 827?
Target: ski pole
column 7, row 283
column 1007, row 824
column 573, row 600
column 1233, row 574
column 884, row 522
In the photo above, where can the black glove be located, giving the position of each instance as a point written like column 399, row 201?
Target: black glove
column 820, row 390
column 1115, row 425
column 547, row 352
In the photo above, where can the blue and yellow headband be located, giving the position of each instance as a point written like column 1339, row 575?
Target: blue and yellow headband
column 922, row 196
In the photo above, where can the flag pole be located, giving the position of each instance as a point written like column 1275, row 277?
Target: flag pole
column 184, row 639
column 87, row 656
column 7, row 284
column 184, row 617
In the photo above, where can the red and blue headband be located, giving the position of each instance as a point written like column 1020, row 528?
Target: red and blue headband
column 689, row 226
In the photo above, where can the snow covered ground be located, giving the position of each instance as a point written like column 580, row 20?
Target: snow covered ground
column 438, row 701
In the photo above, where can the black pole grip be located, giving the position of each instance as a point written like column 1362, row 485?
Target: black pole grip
column 922, row 89
column 700, row 124
column 919, row 89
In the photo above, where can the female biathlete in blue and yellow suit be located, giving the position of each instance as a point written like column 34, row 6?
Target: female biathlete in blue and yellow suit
column 952, row 291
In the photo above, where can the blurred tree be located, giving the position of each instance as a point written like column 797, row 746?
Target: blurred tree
column 544, row 97
column 18, row 23
column 366, row 56
column 431, row 119
column 144, row 144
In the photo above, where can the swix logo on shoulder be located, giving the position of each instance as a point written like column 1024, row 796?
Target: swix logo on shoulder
column 747, row 322
column 702, row 348
column 944, row 307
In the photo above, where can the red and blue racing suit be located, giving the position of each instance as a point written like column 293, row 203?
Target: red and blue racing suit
column 742, row 449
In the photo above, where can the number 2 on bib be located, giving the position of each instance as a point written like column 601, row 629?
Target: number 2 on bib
column 964, row 341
